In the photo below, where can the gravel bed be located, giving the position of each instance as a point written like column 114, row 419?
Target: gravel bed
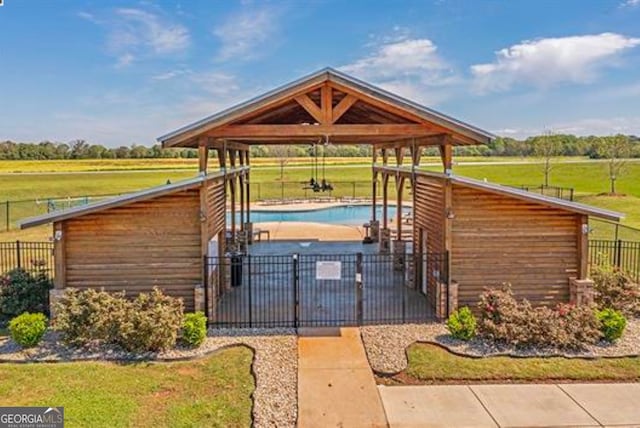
column 386, row 345
column 275, row 364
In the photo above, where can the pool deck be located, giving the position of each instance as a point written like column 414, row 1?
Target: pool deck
column 285, row 230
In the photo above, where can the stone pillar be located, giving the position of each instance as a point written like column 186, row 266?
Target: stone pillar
column 198, row 299
column 384, row 246
column 248, row 228
column 399, row 255
column 54, row 295
column 374, row 230
column 446, row 299
column 580, row 291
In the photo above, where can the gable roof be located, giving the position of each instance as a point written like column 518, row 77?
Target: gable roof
column 328, row 74
column 118, row 201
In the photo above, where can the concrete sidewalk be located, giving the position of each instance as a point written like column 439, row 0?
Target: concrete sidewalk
column 336, row 387
column 548, row 405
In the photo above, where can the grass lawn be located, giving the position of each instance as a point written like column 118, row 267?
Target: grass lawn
column 432, row 364
column 213, row 391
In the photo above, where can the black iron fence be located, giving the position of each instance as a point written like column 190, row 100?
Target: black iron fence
column 565, row 193
column 320, row 290
column 31, row 256
column 624, row 255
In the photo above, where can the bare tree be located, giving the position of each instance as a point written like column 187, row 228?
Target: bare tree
column 616, row 150
column 282, row 153
column 546, row 146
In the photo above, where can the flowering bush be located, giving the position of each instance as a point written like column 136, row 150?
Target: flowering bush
column 615, row 289
column 505, row 320
column 150, row 322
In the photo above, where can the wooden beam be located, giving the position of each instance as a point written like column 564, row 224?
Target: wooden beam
column 399, row 155
column 59, row 255
column 326, row 100
column 416, row 155
column 203, row 157
column 583, row 246
column 446, row 154
column 292, row 131
column 399, row 191
column 217, row 143
column 385, row 200
column 311, row 107
column 343, row 106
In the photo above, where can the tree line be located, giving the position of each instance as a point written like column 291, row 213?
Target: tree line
column 558, row 144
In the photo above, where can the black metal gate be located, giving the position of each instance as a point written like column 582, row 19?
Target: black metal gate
column 303, row 290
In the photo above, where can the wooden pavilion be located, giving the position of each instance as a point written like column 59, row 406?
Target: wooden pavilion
column 492, row 233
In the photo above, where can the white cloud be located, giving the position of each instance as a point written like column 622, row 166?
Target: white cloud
column 548, row 61
column 244, row 35
column 137, row 28
column 411, row 67
column 135, row 34
column 630, row 3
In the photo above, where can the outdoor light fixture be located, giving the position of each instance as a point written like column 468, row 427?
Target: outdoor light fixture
column 450, row 214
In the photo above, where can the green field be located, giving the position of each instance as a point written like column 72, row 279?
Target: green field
column 213, row 391
column 589, row 178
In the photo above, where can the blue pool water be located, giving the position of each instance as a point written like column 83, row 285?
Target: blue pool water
column 346, row 214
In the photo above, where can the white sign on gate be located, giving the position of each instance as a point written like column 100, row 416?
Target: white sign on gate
column 329, row 270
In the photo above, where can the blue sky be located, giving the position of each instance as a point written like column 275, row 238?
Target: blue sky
column 126, row 72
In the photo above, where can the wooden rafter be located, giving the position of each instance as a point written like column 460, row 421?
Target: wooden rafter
column 343, row 106
column 311, row 107
column 326, row 104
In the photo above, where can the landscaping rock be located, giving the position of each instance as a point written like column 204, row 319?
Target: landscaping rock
column 386, row 345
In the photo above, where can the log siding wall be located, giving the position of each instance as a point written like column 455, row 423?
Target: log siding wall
column 499, row 239
column 138, row 246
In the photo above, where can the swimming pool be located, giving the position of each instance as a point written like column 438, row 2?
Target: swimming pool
column 343, row 214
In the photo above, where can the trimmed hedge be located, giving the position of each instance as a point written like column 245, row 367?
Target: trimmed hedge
column 194, row 329
column 612, row 324
column 28, row 329
column 462, row 324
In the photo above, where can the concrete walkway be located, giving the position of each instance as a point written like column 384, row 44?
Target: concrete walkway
column 336, row 387
column 581, row 405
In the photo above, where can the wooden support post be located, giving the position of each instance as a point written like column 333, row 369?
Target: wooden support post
column 248, row 184
column 416, row 155
column 326, row 102
column 203, row 156
column 59, row 255
column 241, row 186
column 446, row 153
column 374, row 191
column 232, row 191
column 385, row 201
column 385, row 157
column 222, row 158
column 399, row 190
column 582, row 235
column 399, row 155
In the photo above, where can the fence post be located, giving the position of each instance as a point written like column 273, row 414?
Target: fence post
column 249, row 285
column 18, row 257
column 359, row 289
column 205, row 283
column 618, row 256
column 296, row 281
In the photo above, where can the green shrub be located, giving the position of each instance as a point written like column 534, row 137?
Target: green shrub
column 505, row 320
column 194, row 329
column 150, row 322
column 462, row 324
column 615, row 289
column 21, row 291
column 612, row 324
column 28, row 329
